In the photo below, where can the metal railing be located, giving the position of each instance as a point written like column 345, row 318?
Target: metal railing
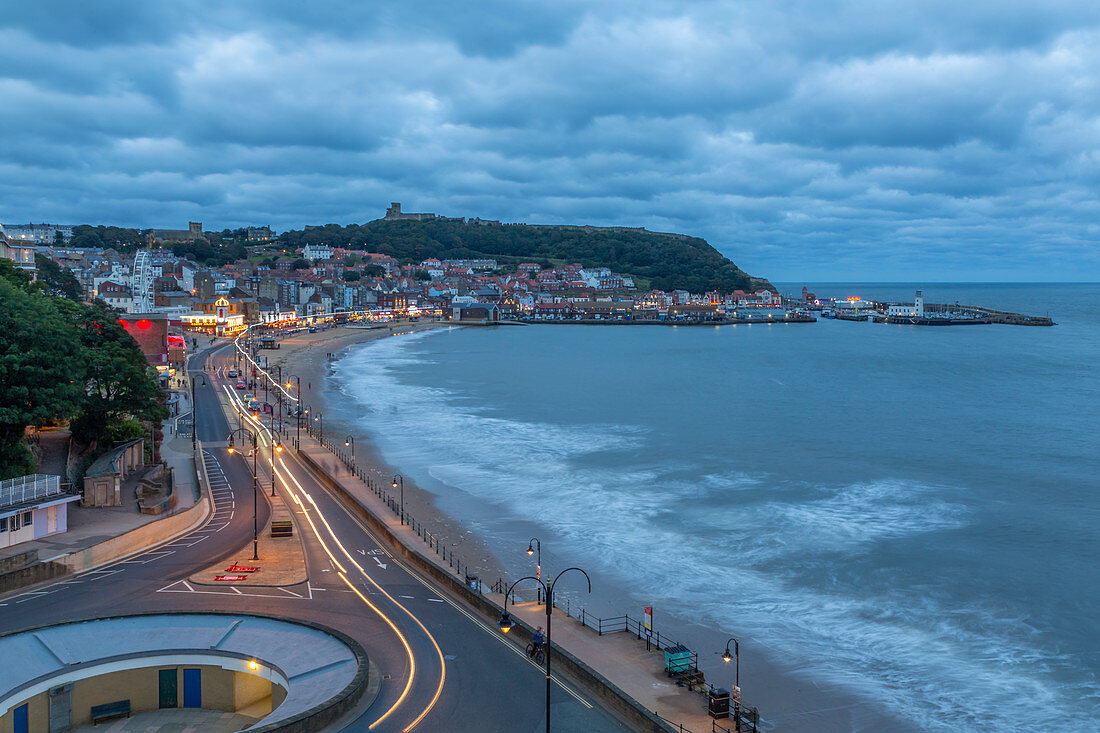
column 28, row 488
column 742, row 718
column 378, row 488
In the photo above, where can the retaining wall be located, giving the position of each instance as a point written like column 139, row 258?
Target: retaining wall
column 630, row 710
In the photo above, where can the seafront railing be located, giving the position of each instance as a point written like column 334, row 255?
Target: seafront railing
column 743, row 718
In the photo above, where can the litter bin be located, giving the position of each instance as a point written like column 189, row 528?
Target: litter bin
column 718, row 707
column 472, row 583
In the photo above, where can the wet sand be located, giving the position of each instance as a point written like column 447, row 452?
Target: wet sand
column 309, row 357
column 789, row 700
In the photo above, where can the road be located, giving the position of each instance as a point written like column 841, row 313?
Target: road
column 441, row 668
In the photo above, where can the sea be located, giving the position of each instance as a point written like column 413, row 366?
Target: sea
column 909, row 516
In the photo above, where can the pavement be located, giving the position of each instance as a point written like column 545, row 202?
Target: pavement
column 619, row 657
column 89, row 526
column 190, row 720
column 439, row 666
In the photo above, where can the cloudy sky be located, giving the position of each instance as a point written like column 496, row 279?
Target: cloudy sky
column 806, row 139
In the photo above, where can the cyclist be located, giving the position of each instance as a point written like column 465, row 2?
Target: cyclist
column 537, row 640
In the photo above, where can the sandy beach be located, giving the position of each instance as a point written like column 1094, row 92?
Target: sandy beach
column 785, row 696
column 308, row 357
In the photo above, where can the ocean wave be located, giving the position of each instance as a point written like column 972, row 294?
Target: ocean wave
column 736, row 550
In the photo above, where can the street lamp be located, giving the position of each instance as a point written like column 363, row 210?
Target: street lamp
column 737, row 663
column 350, row 440
column 396, row 478
column 276, row 447
column 194, row 419
column 255, row 489
column 531, row 549
column 505, row 624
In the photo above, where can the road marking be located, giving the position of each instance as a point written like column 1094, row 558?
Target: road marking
column 380, row 563
column 409, row 597
column 284, row 590
column 436, row 600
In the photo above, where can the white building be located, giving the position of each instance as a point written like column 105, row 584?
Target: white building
column 914, row 309
column 16, row 251
column 32, row 507
column 314, row 252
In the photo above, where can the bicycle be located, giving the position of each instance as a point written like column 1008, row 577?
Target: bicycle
column 536, row 654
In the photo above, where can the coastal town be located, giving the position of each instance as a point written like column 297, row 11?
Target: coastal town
column 316, row 282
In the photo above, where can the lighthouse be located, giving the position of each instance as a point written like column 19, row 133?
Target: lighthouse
column 918, row 304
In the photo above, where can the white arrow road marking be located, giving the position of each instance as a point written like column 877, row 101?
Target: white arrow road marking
column 380, row 563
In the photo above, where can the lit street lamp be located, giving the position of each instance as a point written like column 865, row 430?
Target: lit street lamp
column 532, row 547
column 255, row 489
column 194, row 412
column 350, row 440
column 505, row 624
column 737, row 663
column 396, row 478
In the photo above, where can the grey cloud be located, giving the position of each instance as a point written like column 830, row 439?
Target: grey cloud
column 804, row 139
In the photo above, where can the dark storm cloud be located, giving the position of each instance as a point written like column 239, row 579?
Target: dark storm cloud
column 930, row 139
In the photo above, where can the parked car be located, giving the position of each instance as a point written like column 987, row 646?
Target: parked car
column 240, row 385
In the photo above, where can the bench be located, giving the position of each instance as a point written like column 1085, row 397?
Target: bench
column 282, row 528
column 110, row 710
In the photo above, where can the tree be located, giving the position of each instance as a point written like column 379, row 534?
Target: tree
column 119, row 384
column 374, row 270
column 39, row 370
column 57, row 280
column 351, row 276
column 421, row 275
column 300, row 264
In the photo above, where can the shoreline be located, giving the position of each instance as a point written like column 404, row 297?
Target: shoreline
column 786, row 698
column 307, row 356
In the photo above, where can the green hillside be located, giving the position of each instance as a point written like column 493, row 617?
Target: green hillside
column 663, row 261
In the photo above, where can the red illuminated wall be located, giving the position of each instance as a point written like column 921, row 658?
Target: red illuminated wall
column 151, row 335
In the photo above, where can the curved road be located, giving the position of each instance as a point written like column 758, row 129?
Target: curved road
column 441, row 667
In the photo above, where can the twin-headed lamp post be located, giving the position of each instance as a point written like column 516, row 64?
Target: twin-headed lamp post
column 194, row 412
column 505, row 624
column 255, row 489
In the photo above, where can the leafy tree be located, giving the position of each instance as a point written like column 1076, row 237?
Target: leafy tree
column 373, row 270
column 350, row 260
column 39, row 370
column 300, row 264
column 421, row 275
column 351, row 276
column 57, row 280
column 119, row 384
column 666, row 261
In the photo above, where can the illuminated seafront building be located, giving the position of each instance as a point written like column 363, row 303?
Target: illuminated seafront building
column 20, row 253
column 222, row 321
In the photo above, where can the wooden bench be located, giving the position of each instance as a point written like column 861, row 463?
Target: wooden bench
column 282, row 528
column 110, row 710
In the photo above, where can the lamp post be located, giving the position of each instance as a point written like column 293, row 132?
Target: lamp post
column 737, row 663
column 194, row 420
column 350, row 440
column 396, row 478
column 276, row 447
column 505, row 624
column 255, row 489
column 532, row 547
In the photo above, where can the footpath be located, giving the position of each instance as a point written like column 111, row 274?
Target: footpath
column 611, row 661
column 100, row 535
